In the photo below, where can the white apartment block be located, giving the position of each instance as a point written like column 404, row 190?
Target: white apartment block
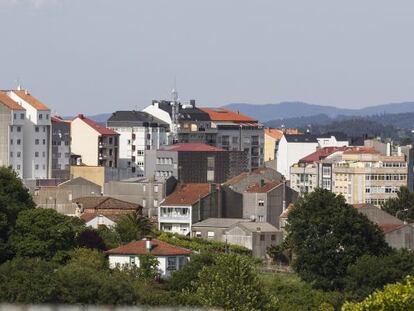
column 12, row 120
column 36, row 136
column 138, row 131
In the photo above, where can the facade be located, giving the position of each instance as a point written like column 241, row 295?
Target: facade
column 188, row 204
column 105, row 206
column 37, row 162
column 291, row 149
column 138, row 131
column 254, row 236
column 12, row 121
column 397, row 233
column 195, row 163
column 149, row 193
column 97, row 220
column 272, row 137
column 170, row 258
column 61, row 156
column 217, row 127
column 61, row 196
column 214, row 228
column 96, row 144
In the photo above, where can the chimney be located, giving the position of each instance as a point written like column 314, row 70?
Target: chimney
column 262, row 182
column 81, row 116
column 148, row 244
column 192, row 103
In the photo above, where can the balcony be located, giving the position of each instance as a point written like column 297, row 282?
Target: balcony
column 102, row 156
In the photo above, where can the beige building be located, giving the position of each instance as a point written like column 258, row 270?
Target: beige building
column 96, row 144
column 272, row 137
column 366, row 176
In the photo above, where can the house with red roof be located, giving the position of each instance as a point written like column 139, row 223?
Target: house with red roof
column 96, row 144
column 195, row 163
column 170, row 257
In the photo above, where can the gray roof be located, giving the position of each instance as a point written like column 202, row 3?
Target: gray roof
column 134, row 118
column 220, row 222
column 78, row 181
column 258, row 227
column 377, row 215
column 304, row 138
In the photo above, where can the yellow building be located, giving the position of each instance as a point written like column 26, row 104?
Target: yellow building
column 272, row 137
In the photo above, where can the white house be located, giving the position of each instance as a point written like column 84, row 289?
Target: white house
column 96, row 220
column 332, row 141
column 170, row 257
column 37, row 155
column 291, row 149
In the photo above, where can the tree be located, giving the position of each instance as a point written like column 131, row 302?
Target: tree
column 232, row 283
column 132, row 227
column 184, row 278
column 14, row 198
column 109, row 236
column 42, row 232
column 148, row 267
column 85, row 257
column 369, row 273
column 26, row 280
column 402, row 206
column 327, row 235
column 399, row 296
column 90, row 238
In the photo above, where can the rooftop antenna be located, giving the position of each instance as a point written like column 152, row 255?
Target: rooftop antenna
column 19, row 87
column 175, row 104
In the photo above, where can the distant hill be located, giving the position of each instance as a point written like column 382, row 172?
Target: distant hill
column 284, row 110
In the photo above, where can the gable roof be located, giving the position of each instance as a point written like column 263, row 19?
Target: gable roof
column 321, row 153
column 300, row 138
column 266, row 187
column 90, row 216
column 361, row 150
column 158, row 248
column 134, row 118
column 388, row 228
column 278, row 133
column 28, row 98
column 106, row 203
column 78, row 181
column 222, row 114
column 377, row 215
column 219, row 222
column 187, row 194
column 257, row 227
column 191, row 147
column 99, row 128
column 10, row 103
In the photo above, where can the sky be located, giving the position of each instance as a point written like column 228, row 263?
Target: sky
column 97, row 56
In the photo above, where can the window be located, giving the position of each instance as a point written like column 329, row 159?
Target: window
column 155, row 202
column 15, row 116
column 36, row 154
column 273, row 237
column 19, row 154
column 44, row 141
column 144, row 202
column 21, row 116
column 156, row 188
column 36, row 129
column 11, row 154
column 44, row 154
column 110, row 140
column 36, row 166
column 210, row 234
column 11, row 128
column 18, row 141
column 36, row 141
column 47, row 116
column 19, row 129
column 198, row 234
column 132, row 260
column 18, row 166
column 40, row 116
column 261, row 202
column 261, row 218
column 181, row 262
column 262, row 237
column 171, row 263
column 11, row 141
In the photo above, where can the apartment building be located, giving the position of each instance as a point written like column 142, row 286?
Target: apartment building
column 188, row 204
column 272, row 137
column 138, row 131
column 218, row 127
column 96, row 144
column 12, row 120
column 195, row 163
column 61, row 155
column 37, row 152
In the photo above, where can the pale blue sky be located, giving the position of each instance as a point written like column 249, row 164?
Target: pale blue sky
column 99, row 56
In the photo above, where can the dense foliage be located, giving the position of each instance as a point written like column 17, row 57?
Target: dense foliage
column 402, row 206
column 327, row 235
column 14, row 198
column 199, row 244
column 399, row 296
column 133, row 227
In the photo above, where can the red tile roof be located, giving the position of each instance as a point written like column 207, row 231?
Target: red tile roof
column 192, row 147
column 222, row 114
column 30, row 100
column 387, row 228
column 89, row 216
column 10, row 103
column 158, row 248
column 361, row 150
column 99, row 128
column 278, row 133
column 321, row 153
column 59, row 119
column 99, row 203
column 265, row 188
column 187, row 194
